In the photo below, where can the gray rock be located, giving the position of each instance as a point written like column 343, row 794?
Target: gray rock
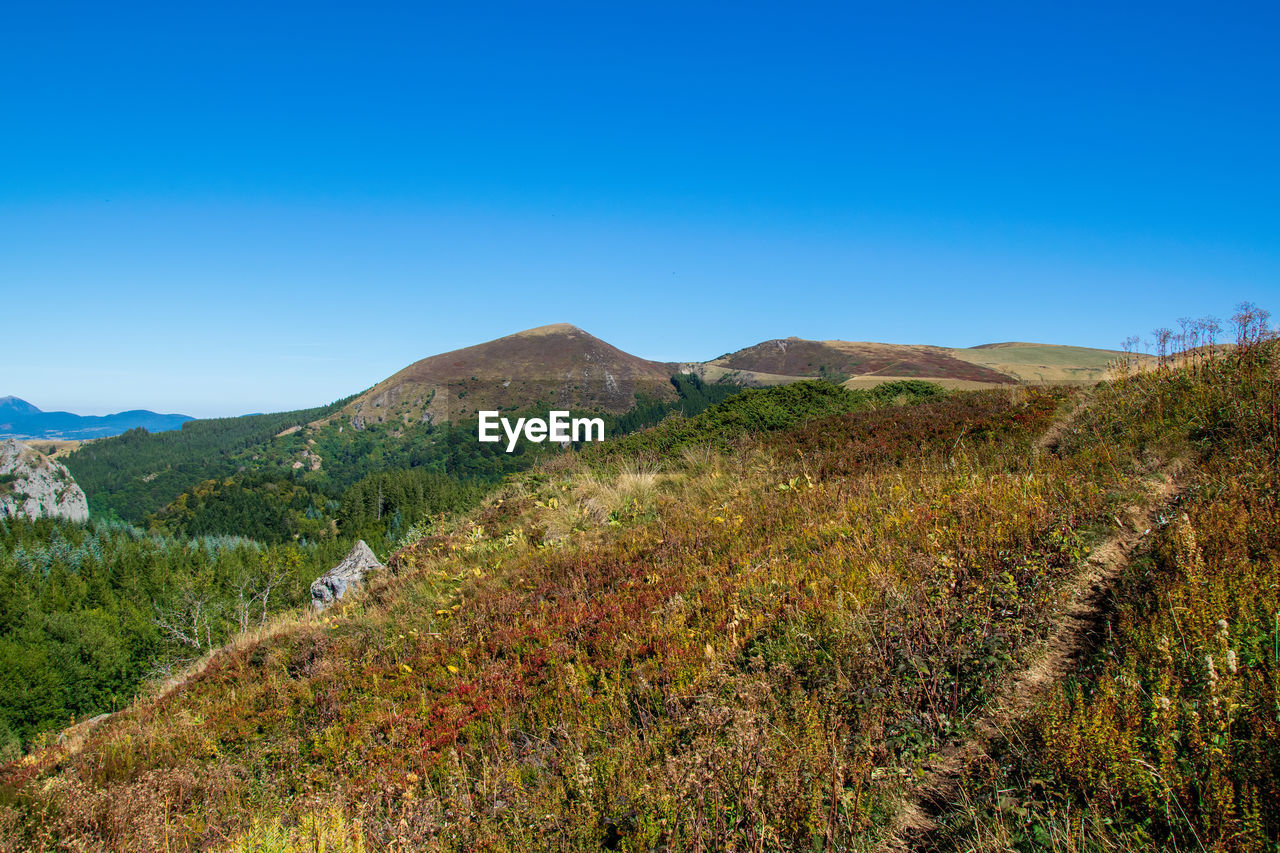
column 75, row 735
column 331, row 586
column 34, row 485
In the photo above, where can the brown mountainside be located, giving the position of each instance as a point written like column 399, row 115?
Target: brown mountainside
column 562, row 366
column 559, row 364
column 803, row 358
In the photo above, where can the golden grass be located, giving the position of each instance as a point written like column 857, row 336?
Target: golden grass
column 603, row 495
column 55, row 448
column 327, row 830
column 1045, row 363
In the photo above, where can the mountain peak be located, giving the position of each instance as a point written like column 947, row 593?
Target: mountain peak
column 559, row 364
column 17, row 405
column 552, row 329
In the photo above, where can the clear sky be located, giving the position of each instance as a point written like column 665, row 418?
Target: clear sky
column 228, row 207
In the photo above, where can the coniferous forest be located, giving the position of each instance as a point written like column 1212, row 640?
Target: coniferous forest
column 91, row 611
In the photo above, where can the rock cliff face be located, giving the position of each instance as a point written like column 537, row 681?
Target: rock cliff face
column 331, row 586
column 33, row 485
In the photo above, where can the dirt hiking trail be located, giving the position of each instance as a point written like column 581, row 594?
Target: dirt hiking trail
column 1073, row 633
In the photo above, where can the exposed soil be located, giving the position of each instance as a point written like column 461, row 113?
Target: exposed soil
column 1048, row 443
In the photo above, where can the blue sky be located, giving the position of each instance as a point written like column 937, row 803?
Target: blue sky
column 231, row 207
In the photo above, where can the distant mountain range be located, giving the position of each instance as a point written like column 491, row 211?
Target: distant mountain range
column 563, row 366
column 20, row 419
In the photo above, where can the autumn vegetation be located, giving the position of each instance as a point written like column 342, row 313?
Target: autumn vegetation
column 1168, row 737
column 755, row 629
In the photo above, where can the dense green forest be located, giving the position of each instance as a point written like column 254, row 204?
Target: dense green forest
column 90, row 611
column 263, row 507
column 384, row 506
column 277, row 510
column 137, row 473
column 695, row 397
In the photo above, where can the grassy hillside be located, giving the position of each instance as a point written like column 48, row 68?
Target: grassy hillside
column 1043, row 362
column 1167, row 733
column 89, row 612
column 824, row 631
column 284, row 477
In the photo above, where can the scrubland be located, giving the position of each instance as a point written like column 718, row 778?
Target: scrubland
column 760, row 635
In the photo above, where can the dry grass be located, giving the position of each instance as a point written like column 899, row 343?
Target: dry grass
column 55, row 448
column 1046, row 363
column 631, row 490
column 325, row 830
column 1168, row 737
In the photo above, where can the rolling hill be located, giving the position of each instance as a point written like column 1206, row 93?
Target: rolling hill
column 1044, row 363
column 562, row 365
column 812, row 359
column 861, row 363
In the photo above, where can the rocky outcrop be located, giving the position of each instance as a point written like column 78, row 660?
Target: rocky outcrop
column 72, row 738
column 33, row 485
column 334, row 583
column 310, row 460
